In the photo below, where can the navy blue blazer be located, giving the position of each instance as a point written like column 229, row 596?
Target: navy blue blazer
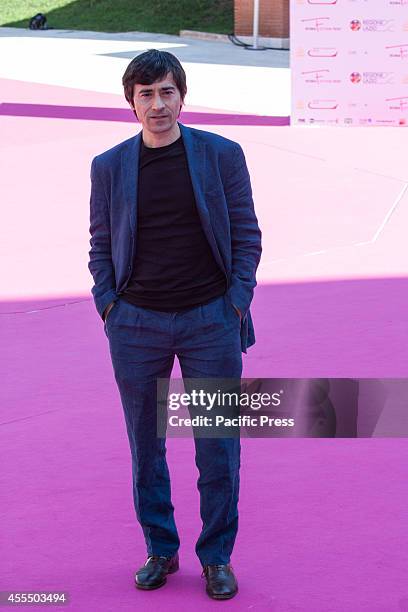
column 223, row 195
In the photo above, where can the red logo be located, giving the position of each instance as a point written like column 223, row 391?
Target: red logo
column 355, row 25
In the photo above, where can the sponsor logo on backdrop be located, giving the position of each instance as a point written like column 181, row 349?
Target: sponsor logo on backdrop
column 377, row 25
column 399, row 51
column 316, row 121
column 373, row 78
column 355, row 77
column 358, row 109
column 364, row 3
column 355, row 25
column 319, row 77
column 319, row 2
column 372, row 25
column 378, row 78
column 374, row 64
column 319, row 104
column 320, row 24
column 358, row 52
column 385, row 121
column 322, row 52
column 399, row 103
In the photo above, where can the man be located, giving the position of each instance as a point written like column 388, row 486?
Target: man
column 175, row 245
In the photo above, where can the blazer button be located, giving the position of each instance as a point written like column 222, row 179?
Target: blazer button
column 129, row 268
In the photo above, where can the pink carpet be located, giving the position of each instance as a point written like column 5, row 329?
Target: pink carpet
column 323, row 522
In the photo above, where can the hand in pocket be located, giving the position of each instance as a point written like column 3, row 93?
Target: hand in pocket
column 107, row 311
column 237, row 310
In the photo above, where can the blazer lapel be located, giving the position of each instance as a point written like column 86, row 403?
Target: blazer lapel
column 196, row 159
column 130, row 172
column 195, row 152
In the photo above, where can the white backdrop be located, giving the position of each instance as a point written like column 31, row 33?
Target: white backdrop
column 349, row 61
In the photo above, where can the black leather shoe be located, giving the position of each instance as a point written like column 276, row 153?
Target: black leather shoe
column 221, row 582
column 153, row 574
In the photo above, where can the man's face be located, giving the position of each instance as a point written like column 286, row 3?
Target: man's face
column 157, row 105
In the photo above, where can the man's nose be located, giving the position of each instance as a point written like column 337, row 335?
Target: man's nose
column 157, row 102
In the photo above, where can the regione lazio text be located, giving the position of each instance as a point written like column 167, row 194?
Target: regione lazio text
column 203, row 313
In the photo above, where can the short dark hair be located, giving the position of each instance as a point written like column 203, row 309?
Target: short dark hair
column 152, row 66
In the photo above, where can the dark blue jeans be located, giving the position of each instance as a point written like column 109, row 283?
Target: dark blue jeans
column 143, row 343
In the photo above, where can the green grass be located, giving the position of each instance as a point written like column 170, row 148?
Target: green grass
column 165, row 16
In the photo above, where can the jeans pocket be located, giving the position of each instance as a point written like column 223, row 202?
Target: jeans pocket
column 232, row 307
column 109, row 315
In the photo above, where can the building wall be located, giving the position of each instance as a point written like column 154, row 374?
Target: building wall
column 273, row 18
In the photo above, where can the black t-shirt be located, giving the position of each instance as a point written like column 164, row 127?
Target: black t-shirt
column 174, row 268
